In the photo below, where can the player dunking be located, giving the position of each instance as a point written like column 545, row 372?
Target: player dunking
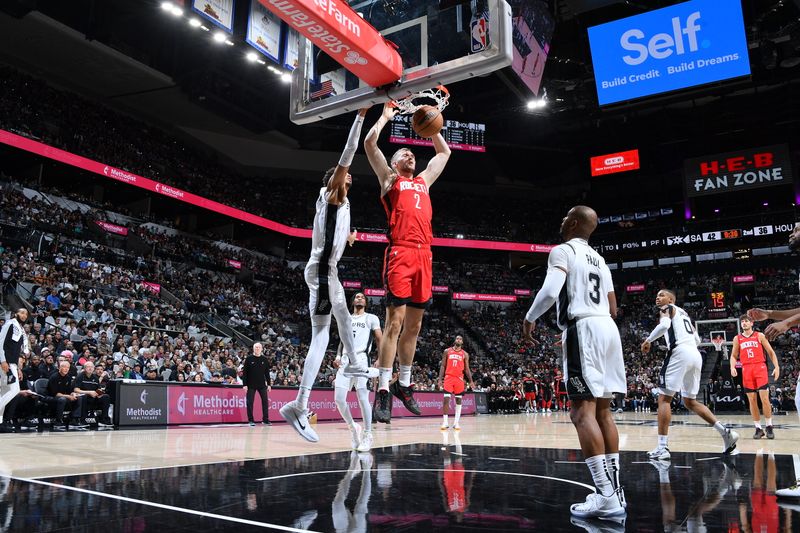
column 680, row 372
column 749, row 346
column 408, row 261
column 578, row 278
column 330, row 235
column 455, row 363
column 366, row 329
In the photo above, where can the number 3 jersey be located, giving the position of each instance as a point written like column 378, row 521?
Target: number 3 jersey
column 588, row 283
column 409, row 212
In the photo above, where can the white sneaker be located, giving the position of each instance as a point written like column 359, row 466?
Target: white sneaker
column 456, row 427
column 355, row 436
column 660, row 453
column 598, row 506
column 366, row 442
column 355, row 370
column 594, row 525
column 620, row 493
column 298, row 419
column 730, row 439
column 444, row 427
column 366, row 461
column 791, row 492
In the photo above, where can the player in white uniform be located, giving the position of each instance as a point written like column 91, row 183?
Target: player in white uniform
column 680, row 372
column 366, row 329
column 787, row 319
column 577, row 276
column 330, row 234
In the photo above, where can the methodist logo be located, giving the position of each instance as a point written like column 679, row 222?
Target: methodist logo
column 685, row 45
column 182, row 403
column 143, row 396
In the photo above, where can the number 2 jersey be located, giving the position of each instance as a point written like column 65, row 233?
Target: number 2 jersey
column 588, row 283
column 409, row 212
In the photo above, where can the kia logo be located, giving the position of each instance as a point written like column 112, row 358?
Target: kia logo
column 182, row 403
column 614, row 160
column 143, row 396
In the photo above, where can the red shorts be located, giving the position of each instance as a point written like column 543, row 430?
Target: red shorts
column 754, row 377
column 765, row 511
column 408, row 275
column 530, row 396
column 454, row 385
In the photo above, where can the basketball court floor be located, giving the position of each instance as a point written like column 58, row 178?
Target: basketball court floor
column 500, row 473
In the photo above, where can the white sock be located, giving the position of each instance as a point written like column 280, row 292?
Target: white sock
column 302, row 397
column 663, row 476
column 444, row 420
column 384, row 377
column 722, row 430
column 612, row 465
column 768, row 421
column 458, row 413
column 405, row 376
column 663, row 441
column 597, row 467
column 366, row 408
column 757, row 424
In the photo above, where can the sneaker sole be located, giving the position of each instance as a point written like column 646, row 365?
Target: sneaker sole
column 605, row 514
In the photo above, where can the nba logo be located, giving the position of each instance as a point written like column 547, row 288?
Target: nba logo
column 480, row 37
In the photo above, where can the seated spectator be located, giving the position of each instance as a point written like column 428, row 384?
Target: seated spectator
column 61, row 396
column 21, row 407
column 88, row 384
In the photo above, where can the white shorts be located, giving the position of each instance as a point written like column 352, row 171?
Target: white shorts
column 344, row 382
column 320, row 310
column 592, row 359
column 680, row 372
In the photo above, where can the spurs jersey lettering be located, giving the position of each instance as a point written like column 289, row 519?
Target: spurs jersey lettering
column 363, row 326
column 751, row 351
column 409, row 212
column 588, row 283
column 681, row 330
column 330, row 232
column 455, row 363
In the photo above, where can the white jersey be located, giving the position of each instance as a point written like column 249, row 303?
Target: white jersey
column 330, row 232
column 588, row 283
column 681, row 330
column 363, row 326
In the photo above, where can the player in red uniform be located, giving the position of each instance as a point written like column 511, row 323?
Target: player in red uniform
column 562, row 400
column 749, row 346
column 455, row 363
column 408, row 261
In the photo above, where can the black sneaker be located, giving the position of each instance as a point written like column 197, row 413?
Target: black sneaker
column 383, row 407
column 406, row 395
column 267, row 423
column 758, row 434
column 770, row 433
column 252, row 423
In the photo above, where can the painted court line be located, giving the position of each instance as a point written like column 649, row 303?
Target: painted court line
column 302, row 474
column 502, row 459
column 570, row 462
column 708, row 459
column 796, row 458
column 204, row 514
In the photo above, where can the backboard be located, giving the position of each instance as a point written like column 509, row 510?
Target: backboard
column 440, row 41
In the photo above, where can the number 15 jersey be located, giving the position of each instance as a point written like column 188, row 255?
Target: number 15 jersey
column 588, row 283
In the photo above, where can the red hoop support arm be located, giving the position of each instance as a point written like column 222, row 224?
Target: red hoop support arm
column 340, row 32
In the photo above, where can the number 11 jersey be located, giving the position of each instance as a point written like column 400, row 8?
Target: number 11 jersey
column 588, row 283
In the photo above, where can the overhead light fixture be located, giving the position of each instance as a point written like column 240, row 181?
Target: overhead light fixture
column 219, row 37
column 204, row 28
column 177, row 11
column 195, row 23
column 228, row 42
column 252, row 57
column 286, row 77
column 167, row 6
column 537, row 103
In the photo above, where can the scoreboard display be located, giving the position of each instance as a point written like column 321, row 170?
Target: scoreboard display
column 466, row 136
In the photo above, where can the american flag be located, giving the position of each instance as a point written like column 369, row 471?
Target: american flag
column 318, row 90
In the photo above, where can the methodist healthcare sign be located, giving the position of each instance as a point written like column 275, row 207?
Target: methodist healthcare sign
column 681, row 46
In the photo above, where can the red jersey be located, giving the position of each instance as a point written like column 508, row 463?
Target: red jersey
column 409, row 212
column 455, row 363
column 750, row 350
column 454, row 488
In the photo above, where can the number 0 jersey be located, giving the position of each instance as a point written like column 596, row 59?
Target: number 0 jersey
column 681, row 330
column 588, row 283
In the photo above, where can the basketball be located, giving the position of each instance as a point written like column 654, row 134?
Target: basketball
column 427, row 121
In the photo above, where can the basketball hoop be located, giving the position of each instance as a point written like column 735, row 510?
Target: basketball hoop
column 408, row 105
column 718, row 343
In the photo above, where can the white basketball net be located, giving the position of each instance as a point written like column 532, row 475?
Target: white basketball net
column 408, row 105
column 718, row 342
